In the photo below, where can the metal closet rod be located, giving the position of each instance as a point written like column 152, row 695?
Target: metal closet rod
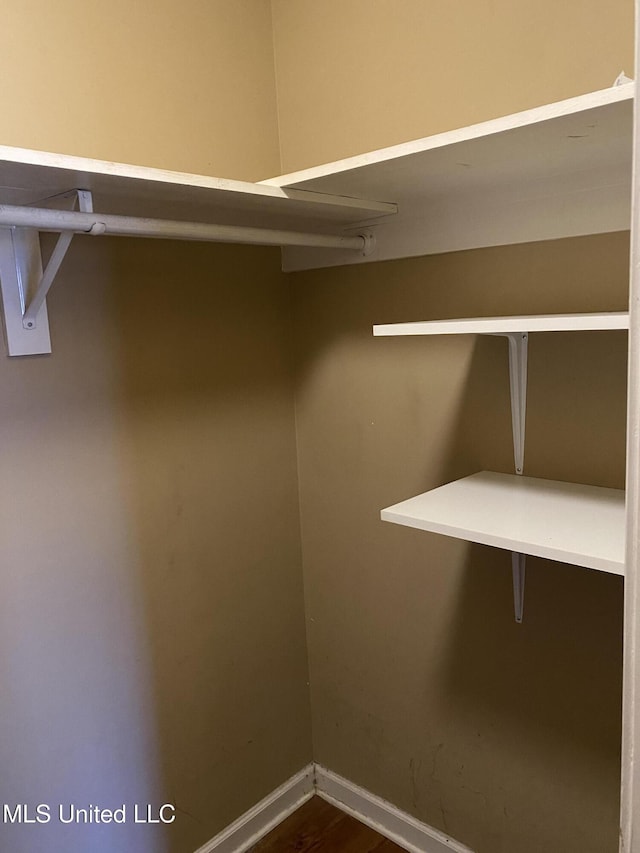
column 97, row 224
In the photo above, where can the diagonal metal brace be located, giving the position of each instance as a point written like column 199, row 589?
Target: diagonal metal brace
column 82, row 199
column 24, row 283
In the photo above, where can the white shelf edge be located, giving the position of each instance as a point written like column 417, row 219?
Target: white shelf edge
column 556, row 171
column 580, row 103
column 567, row 522
column 506, row 325
column 145, row 174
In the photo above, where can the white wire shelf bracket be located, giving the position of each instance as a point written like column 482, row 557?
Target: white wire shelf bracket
column 25, row 284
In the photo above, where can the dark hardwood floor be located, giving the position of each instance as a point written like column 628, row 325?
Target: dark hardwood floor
column 317, row 827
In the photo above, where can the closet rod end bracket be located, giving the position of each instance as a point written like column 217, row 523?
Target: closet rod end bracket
column 368, row 243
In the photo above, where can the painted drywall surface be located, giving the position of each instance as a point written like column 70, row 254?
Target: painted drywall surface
column 152, row 641
column 360, row 75
column 424, row 690
column 152, row 644
column 186, row 86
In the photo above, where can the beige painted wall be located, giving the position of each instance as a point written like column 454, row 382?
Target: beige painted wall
column 358, row 75
column 152, row 638
column 186, row 86
column 178, row 633
column 424, row 689
column 152, row 641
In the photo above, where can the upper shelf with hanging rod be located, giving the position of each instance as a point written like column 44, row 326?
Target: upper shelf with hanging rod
column 40, row 192
column 559, row 170
column 27, row 177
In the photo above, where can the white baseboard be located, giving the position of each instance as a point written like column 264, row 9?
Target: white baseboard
column 394, row 824
column 243, row 833
column 389, row 821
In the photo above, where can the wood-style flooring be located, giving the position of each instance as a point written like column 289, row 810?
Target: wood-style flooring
column 317, row 827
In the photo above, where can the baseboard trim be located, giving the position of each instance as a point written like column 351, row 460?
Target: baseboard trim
column 394, row 824
column 398, row 826
column 243, row 833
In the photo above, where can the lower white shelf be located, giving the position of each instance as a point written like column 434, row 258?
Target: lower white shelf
column 568, row 522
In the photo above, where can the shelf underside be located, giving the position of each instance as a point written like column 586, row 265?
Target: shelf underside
column 556, row 171
column 28, row 177
column 559, row 170
column 567, row 522
column 508, row 325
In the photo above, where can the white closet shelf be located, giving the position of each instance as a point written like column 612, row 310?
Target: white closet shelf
column 559, row 170
column 28, row 176
column 567, row 522
column 39, row 192
column 508, row 325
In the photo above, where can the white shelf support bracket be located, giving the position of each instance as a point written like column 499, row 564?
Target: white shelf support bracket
column 518, row 563
column 25, row 284
column 518, row 352
column 33, row 305
column 518, row 357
